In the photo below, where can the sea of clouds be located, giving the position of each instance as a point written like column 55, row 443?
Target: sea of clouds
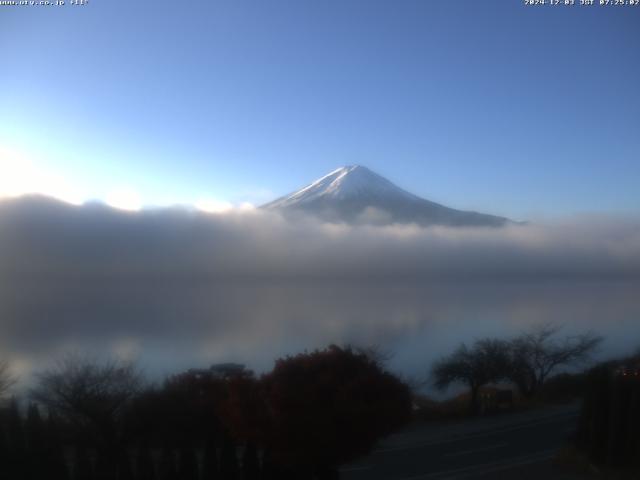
column 178, row 287
column 47, row 238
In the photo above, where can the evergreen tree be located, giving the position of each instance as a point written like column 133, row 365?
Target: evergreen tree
column 210, row 465
column 16, row 430
column 124, row 465
column 17, row 465
column 36, row 444
column 167, row 470
column 188, row 464
column 268, row 468
column 56, row 464
column 228, row 459
column 4, row 450
column 35, row 431
column 273, row 471
column 144, row 463
column 83, row 470
column 330, row 473
column 107, row 463
column 57, row 467
column 250, row 462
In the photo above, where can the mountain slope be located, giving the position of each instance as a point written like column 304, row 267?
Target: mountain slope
column 355, row 194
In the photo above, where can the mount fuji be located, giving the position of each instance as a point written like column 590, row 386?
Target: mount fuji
column 356, row 195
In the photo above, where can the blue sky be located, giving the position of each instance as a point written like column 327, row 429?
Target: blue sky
column 492, row 105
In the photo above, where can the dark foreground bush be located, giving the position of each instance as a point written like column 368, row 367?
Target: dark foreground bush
column 609, row 429
column 564, row 387
column 328, row 407
column 312, row 413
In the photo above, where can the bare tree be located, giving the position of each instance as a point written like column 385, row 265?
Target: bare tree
column 486, row 361
column 88, row 392
column 537, row 353
column 6, row 379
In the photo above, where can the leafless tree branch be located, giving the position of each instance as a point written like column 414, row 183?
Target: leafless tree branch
column 86, row 390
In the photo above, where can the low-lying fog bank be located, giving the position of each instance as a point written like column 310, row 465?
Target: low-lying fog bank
column 178, row 288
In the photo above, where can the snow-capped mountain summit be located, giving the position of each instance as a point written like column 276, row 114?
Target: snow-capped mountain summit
column 343, row 183
column 355, row 194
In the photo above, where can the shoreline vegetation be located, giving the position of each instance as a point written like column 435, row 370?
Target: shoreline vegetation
column 315, row 411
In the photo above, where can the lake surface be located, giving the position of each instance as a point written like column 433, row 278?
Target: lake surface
column 169, row 325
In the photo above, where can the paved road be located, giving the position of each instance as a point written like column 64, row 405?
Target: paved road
column 508, row 446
